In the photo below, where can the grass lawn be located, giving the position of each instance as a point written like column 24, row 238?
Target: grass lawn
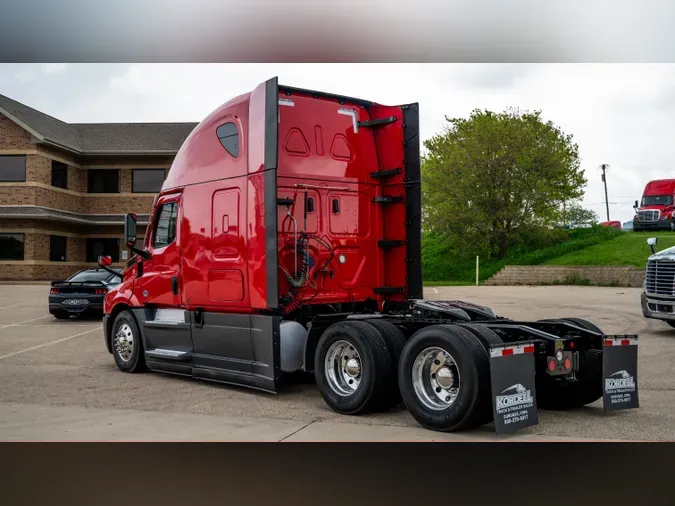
column 630, row 248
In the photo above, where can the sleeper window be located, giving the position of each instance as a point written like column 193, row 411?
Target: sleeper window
column 229, row 138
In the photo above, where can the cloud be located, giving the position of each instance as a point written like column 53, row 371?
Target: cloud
column 622, row 114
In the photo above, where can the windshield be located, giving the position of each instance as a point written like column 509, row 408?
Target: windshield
column 663, row 200
column 93, row 275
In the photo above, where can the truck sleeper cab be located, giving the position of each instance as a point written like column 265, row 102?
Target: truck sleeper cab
column 287, row 238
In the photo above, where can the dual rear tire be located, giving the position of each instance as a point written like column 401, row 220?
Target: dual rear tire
column 441, row 373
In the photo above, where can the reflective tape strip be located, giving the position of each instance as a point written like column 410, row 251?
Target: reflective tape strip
column 506, row 351
column 620, row 341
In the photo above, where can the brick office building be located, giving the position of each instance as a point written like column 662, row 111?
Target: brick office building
column 65, row 188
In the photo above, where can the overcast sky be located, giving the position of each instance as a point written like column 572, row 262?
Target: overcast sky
column 619, row 114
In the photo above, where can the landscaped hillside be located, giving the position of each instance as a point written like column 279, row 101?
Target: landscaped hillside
column 441, row 264
column 626, row 249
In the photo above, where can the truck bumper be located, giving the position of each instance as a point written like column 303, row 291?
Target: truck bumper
column 651, row 225
column 658, row 309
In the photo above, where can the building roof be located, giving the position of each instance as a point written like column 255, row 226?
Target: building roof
column 98, row 138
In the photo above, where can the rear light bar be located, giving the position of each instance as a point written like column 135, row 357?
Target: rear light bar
column 624, row 341
column 54, row 291
column 100, row 291
column 512, row 350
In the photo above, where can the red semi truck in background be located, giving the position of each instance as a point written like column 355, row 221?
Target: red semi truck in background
column 287, row 238
column 655, row 210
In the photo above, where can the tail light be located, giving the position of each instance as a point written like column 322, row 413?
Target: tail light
column 551, row 365
column 568, row 364
column 54, row 291
column 100, row 291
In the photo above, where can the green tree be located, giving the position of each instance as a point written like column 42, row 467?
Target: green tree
column 575, row 214
column 494, row 177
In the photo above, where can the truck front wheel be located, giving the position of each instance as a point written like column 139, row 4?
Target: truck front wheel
column 444, row 376
column 352, row 366
column 126, row 344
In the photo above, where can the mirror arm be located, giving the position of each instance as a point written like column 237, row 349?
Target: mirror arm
column 144, row 254
column 108, row 269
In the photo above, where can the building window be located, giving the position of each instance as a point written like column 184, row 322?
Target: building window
column 104, row 180
column 57, row 248
column 229, row 138
column 59, row 174
column 12, row 246
column 13, row 169
column 165, row 228
column 103, row 248
column 147, row 180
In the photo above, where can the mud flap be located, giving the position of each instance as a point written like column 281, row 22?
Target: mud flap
column 514, row 399
column 619, row 373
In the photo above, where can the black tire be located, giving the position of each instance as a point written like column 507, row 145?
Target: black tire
column 473, row 398
column 136, row 363
column 375, row 364
column 670, row 322
column 486, row 337
column 559, row 395
column 61, row 316
column 395, row 340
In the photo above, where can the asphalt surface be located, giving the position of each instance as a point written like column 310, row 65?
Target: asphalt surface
column 58, row 382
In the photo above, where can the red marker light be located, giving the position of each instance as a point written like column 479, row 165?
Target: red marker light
column 551, row 365
column 568, row 364
column 625, row 342
column 572, row 344
column 608, row 342
column 507, row 351
column 528, row 349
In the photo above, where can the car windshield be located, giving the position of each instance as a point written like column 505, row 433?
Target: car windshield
column 661, row 200
column 92, row 275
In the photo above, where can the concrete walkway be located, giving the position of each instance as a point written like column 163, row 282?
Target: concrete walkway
column 31, row 422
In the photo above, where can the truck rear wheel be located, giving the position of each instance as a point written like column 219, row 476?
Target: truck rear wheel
column 444, row 376
column 487, row 337
column 126, row 343
column 395, row 340
column 352, row 367
column 560, row 394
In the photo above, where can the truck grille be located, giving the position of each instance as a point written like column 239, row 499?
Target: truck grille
column 649, row 216
column 660, row 277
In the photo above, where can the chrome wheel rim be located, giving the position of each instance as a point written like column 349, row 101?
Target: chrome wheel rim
column 124, row 342
column 343, row 368
column 435, row 378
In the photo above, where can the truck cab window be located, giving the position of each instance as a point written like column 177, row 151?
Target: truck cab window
column 165, row 227
column 229, row 138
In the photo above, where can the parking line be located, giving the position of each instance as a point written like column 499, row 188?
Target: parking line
column 435, row 291
column 47, row 344
column 27, row 321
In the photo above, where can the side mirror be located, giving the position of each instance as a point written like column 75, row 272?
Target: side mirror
column 104, row 263
column 652, row 241
column 636, row 205
column 130, row 230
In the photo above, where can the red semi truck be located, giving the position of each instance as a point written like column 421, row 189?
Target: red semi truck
column 287, row 238
column 655, row 210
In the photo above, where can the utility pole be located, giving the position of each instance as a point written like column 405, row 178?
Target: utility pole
column 604, row 167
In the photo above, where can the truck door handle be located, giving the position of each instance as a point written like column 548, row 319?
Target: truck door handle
column 174, row 285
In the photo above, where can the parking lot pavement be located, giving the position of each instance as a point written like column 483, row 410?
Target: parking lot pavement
column 57, row 381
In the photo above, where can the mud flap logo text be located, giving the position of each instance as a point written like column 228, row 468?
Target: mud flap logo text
column 513, row 398
column 620, row 382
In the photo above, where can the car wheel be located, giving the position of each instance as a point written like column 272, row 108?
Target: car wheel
column 127, row 345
